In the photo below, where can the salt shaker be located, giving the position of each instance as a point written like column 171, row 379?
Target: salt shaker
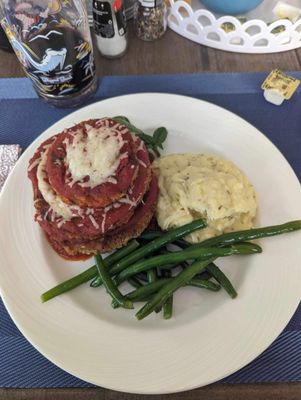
column 150, row 19
column 110, row 27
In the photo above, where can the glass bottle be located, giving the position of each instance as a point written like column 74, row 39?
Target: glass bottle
column 150, row 19
column 52, row 40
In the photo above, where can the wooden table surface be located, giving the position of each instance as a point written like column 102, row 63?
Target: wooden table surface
column 174, row 54
column 171, row 54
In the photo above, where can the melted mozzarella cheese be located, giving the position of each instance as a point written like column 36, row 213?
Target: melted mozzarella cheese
column 50, row 196
column 95, row 155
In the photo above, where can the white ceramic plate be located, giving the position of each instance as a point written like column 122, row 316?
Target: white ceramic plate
column 210, row 335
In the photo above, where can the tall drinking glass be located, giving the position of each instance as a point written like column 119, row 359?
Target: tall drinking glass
column 52, row 40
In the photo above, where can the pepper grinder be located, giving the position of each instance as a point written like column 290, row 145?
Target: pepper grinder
column 150, row 19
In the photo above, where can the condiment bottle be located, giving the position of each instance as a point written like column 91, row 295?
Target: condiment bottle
column 150, row 19
column 110, row 27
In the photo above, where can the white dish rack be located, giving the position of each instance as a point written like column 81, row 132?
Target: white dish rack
column 259, row 34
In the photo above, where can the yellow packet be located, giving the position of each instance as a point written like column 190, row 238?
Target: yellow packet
column 277, row 80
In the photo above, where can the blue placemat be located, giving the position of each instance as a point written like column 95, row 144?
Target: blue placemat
column 23, row 117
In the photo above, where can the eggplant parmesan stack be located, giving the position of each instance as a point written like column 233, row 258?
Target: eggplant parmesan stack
column 93, row 188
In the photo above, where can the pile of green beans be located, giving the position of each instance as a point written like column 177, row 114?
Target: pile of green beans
column 123, row 258
column 156, row 273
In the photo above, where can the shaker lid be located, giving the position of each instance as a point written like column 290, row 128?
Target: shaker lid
column 150, row 3
column 117, row 5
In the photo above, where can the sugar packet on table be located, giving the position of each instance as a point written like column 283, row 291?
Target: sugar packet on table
column 9, row 154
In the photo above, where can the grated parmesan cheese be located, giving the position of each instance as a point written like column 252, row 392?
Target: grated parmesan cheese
column 94, row 223
column 141, row 146
column 103, row 223
column 142, row 163
column 50, row 196
column 60, row 223
column 34, row 164
column 127, row 200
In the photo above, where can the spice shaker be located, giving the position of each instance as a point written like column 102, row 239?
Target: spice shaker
column 110, row 27
column 150, row 19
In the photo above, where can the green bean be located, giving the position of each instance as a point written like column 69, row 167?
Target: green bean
column 134, row 282
column 157, row 243
column 202, row 280
column 89, row 273
column 114, row 257
column 222, row 279
column 96, row 282
column 182, row 243
column 251, row 234
column 205, row 276
column 188, row 254
column 69, row 284
column 122, row 252
column 110, row 286
column 184, row 264
column 151, row 275
column 167, row 308
column 204, row 284
column 143, row 251
column 144, row 291
column 140, row 300
column 167, row 268
column 170, row 287
column 168, row 305
column 165, row 273
column 150, row 235
column 142, row 276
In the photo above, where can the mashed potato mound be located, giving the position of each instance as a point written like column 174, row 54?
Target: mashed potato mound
column 196, row 186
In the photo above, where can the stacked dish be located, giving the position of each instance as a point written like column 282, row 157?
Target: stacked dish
column 93, row 188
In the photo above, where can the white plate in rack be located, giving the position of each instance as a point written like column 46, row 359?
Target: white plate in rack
column 210, row 336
